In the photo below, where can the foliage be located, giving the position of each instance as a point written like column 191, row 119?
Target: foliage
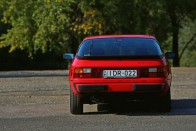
column 60, row 25
column 187, row 33
column 178, row 11
column 36, row 25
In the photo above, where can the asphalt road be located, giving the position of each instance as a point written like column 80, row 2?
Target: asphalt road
column 39, row 101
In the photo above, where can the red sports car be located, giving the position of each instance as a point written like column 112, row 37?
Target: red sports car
column 117, row 69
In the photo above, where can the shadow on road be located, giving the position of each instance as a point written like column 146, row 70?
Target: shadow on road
column 179, row 107
column 183, row 107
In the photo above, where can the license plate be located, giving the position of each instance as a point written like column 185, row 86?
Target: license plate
column 119, row 73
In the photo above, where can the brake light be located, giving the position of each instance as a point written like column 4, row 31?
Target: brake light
column 87, row 73
column 153, row 72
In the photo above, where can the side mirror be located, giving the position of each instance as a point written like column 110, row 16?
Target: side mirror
column 169, row 55
column 68, row 56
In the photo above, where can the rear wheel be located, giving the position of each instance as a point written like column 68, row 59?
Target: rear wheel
column 165, row 102
column 76, row 104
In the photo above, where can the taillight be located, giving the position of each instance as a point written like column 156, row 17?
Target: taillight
column 153, row 72
column 162, row 71
column 87, row 73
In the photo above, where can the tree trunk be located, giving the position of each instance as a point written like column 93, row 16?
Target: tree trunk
column 175, row 24
column 176, row 61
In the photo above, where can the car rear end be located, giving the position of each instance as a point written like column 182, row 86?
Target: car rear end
column 120, row 69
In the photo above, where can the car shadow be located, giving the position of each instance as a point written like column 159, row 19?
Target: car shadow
column 179, row 107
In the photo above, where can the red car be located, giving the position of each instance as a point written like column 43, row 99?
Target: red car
column 118, row 69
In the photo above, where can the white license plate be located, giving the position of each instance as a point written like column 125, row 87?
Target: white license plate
column 119, row 73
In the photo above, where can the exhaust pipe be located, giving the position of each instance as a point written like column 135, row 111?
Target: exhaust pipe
column 95, row 99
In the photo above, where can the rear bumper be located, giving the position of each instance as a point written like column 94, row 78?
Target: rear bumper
column 108, row 92
column 113, row 88
column 80, row 88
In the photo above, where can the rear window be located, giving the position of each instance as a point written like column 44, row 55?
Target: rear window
column 119, row 47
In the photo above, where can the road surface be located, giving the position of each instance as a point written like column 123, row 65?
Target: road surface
column 39, row 101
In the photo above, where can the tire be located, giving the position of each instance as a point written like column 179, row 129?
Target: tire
column 76, row 104
column 165, row 102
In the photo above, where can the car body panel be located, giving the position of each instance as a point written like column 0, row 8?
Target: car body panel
column 119, row 36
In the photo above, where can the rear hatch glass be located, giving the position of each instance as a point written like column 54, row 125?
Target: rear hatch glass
column 113, row 48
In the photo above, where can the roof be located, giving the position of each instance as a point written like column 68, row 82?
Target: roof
column 119, row 36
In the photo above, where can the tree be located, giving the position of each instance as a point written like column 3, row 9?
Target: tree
column 187, row 44
column 60, row 26
column 178, row 11
column 36, row 25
